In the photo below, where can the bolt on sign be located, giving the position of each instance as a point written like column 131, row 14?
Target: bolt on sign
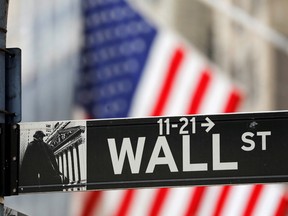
column 153, row 152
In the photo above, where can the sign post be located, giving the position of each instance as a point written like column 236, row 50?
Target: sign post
column 3, row 25
column 153, row 152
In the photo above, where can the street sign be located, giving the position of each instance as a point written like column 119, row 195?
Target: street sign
column 153, row 152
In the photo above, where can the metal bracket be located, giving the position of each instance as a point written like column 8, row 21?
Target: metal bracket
column 9, row 130
column 13, row 86
column 9, row 159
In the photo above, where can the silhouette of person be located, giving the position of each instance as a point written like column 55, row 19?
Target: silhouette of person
column 39, row 166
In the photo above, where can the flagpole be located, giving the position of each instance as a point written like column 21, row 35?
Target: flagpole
column 3, row 30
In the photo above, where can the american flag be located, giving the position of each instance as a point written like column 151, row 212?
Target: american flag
column 131, row 67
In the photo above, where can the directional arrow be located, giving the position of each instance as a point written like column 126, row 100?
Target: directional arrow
column 209, row 124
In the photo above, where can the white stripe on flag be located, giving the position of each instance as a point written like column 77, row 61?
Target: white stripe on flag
column 216, row 96
column 208, row 204
column 176, row 202
column 184, row 84
column 111, row 201
column 141, row 203
column 156, row 68
column 236, row 200
column 76, row 205
column 269, row 200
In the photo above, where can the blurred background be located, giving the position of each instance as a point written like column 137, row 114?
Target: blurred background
column 247, row 40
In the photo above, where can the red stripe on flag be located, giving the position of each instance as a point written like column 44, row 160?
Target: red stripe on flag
column 201, row 89
column 233, row 101
column 92, row 201
column 158, row 201
column 165, row 91
column 195, row 201
column 282, row 207
column 254, row 197
column 126, row 202
column 222, row 199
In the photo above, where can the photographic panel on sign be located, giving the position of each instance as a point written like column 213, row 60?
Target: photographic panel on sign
column 52, row 156
column 12, row 212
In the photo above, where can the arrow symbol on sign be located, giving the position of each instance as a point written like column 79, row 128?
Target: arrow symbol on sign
column 209, row 124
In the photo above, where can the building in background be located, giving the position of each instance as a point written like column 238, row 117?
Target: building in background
column 49, row 34
column 239, row 46
column 278, row 16
column 244, row 54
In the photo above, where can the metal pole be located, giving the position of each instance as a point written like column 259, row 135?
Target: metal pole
column 3, row 27
column 1, row 206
